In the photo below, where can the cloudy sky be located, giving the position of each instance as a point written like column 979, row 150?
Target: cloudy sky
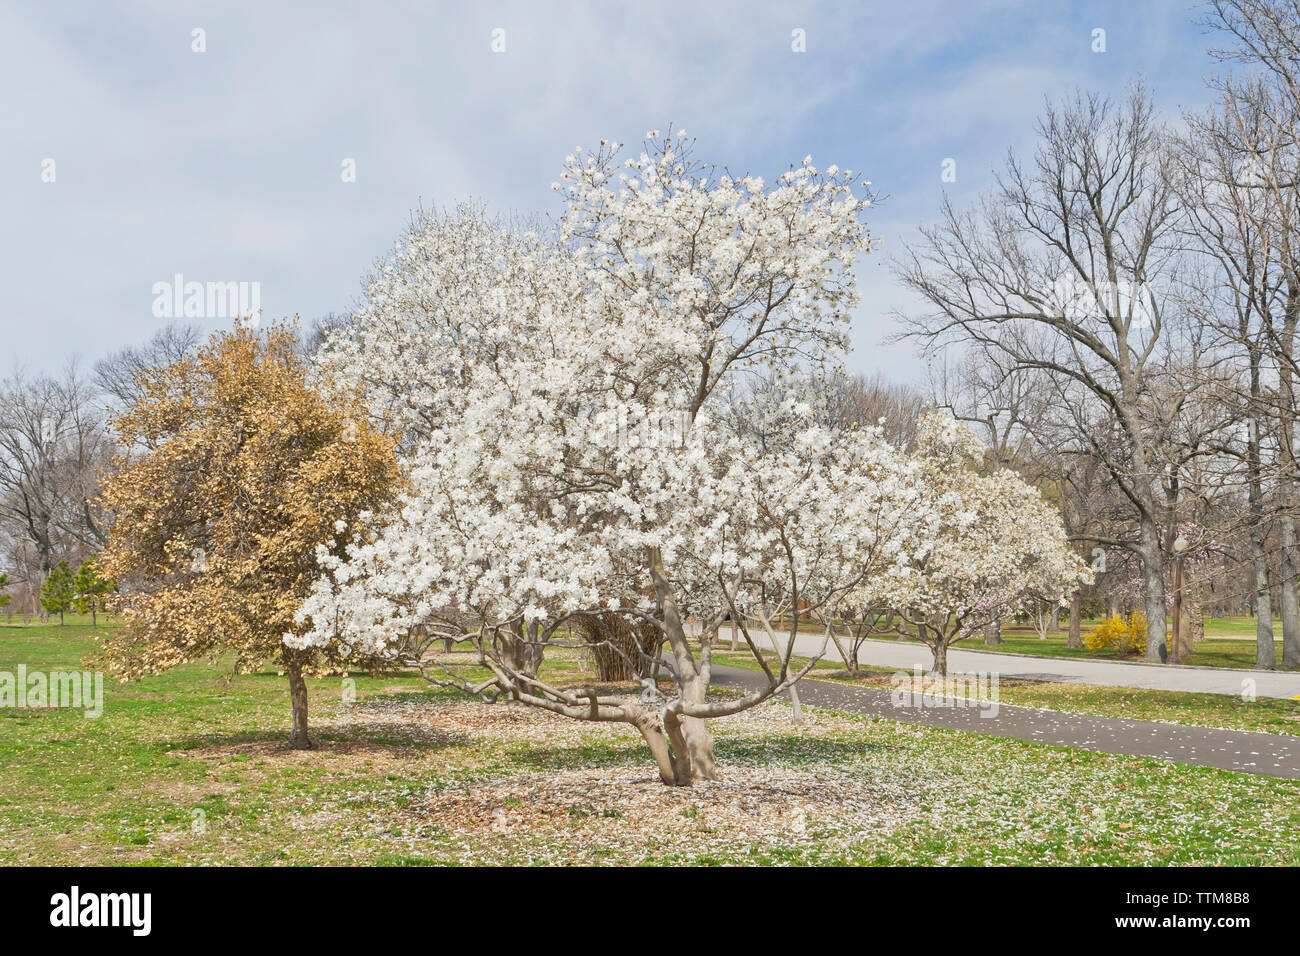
column 228, row 164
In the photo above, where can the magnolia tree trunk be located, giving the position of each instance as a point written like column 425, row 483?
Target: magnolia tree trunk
column 522, row 650
column 682, row 746
column 940, row 649
column 690, row 737
column 692, row 744
column 850, row 658
column 298, row 739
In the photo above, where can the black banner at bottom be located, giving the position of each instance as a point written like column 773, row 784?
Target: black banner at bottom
column 143, row 906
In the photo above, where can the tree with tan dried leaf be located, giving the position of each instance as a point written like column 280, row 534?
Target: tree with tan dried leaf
column 237, row 477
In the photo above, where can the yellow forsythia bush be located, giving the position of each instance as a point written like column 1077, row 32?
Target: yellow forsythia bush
column 1125, row 635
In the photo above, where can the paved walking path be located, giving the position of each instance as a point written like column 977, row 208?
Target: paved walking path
column 907, row 656
column 1273, row 755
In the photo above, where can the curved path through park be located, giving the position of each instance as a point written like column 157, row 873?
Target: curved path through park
column 1274, row 755
column 908, row 656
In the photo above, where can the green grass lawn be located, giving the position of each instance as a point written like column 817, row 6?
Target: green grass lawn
column 1239, row 627
column 187, row 767
column 1214, row 652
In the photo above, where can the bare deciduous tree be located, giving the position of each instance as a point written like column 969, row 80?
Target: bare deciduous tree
column 1067, row 269
column 53, row 446
column 118, row 374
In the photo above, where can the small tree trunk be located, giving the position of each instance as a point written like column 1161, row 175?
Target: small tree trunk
column 850, row 660
column 1179, row 635
column 298, row 739
column 1076, row 613
column 993, row 635
column 1185, row 631
column 795, row 706
column 940, row 650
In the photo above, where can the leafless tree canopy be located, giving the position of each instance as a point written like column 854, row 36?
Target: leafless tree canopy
column 1117, row 316
column 53, row 445
column 117, row 375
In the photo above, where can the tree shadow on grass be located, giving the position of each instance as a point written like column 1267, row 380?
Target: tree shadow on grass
column 327, row 743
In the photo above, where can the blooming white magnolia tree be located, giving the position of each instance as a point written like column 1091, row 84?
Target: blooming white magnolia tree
column 567, row 406
column 990, row 544
column 519, row 370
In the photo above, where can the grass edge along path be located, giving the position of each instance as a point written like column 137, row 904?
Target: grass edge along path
column 1274, row 755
